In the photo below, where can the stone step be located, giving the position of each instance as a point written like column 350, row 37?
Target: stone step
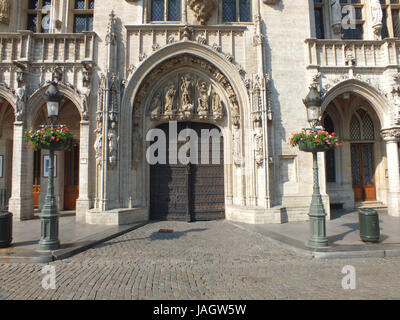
column 370, row 204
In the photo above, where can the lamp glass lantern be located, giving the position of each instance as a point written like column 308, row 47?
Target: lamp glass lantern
column 53, row 98
column 313, row 113
column 53, row 109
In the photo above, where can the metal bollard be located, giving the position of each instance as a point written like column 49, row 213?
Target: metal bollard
column 369, row 225
column 5, row 229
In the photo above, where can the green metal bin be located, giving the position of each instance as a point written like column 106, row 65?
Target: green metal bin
column 5, row 229
column 369, row 225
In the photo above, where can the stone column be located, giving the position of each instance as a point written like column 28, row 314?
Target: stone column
column 21, row 201
column 392, row 138
column 83, row 202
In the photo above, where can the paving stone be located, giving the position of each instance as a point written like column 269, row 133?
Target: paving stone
column 221, row 261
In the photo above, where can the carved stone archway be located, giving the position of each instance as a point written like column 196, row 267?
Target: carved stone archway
column 208, row 76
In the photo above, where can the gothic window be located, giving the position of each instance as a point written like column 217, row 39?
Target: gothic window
column 361, row 126
column 390, row 19
column 355, row 130
column 38, row 16
column 319, row 19
column 236, row 10
column 83, row 15
column 165, row 10
column 330, row 157
column 358, row 6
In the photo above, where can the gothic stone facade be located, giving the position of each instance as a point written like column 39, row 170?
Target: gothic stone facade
column 244, row 69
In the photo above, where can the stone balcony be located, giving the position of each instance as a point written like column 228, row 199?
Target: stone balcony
column 38, row 53
column 377, row 55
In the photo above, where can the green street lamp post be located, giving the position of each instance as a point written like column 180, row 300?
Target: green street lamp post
column 49, row 215
column 317, row 212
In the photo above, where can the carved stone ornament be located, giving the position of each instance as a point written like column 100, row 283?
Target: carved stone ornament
column 4, row 11
column 203, row 9
column 391, row 134
column 187, row 96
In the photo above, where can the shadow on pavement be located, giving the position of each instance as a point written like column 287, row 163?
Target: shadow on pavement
column 157, row 236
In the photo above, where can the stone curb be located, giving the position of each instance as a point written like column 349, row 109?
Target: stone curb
column 78, row 246
column 332, row 252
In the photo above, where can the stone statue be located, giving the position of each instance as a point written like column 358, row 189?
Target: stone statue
column 112, row 144
column 203, row 9
column 203, row 101
column 4, row 11
column 258, row 148
column 156, row 106
column 20, row 103
column 336, row 16
column 187, row 96
column 169, row 100
column 216, row 106
column 376, row 12
column 98, row 146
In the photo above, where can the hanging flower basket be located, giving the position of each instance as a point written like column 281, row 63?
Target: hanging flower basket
column 315, row 140
column 58, row 138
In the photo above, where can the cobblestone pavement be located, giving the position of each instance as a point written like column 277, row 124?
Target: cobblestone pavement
column 202, row 260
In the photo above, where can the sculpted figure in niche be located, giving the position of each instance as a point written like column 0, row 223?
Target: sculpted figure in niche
column 376, row 12
column 97, row 145
column 21, row 99
column 336, row 15
column 156, row 106
column 203, row 101
column 4, row 11
column 113, row 144
column 169, row 100
column 186, row 94
column 216, row 106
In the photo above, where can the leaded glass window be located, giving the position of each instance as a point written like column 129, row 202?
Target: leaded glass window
column 368, row 128
column 390, row 19
column 355, row 130
column 38, row 16
column 349, row 32
column 319, row 19
column 330, row 157
column 157, row 10
column 166, row 10
column 236, row 10
column 83, row 15
column 355, row 165
column 362, row 126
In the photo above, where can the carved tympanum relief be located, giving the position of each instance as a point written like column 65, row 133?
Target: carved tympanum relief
column 187, row 97
column 203, row 9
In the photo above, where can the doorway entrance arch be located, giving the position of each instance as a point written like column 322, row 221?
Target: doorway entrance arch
column 189, row 191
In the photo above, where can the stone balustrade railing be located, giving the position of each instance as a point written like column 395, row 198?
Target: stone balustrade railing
column 358, row 53
column 46, row 47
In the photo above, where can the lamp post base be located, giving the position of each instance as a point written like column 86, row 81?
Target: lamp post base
column 317, row 213
column 49, row 230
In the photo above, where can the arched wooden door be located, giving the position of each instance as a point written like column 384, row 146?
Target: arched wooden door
column 71, row 178
column 189, row 192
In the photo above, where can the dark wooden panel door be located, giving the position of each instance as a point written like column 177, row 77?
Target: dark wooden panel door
column 362, row 167
column 188, row 192
column 71, row 178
